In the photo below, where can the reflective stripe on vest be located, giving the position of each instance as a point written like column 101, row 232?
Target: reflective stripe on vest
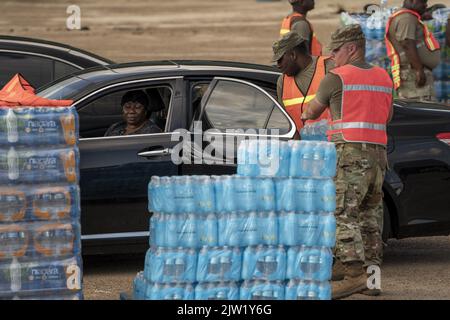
column 315, row 45
column 365, row 87
column 366, row 102
column 429, row 39
column 293, row 100
column 357, row 125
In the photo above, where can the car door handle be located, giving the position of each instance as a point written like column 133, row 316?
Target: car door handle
column 155, row 153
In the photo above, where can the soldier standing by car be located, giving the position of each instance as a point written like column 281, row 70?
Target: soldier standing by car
column 359, row 96
column 296, row 21
column 302, row 74
column 413, row 50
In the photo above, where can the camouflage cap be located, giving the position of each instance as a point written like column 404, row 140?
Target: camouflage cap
column 289, row 41
column 352, row 32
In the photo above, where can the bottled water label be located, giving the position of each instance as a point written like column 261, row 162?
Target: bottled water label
column 49, row 276
column 38, row 126
column 37, row 166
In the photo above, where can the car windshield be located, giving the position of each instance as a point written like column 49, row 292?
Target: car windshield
column 65, row 89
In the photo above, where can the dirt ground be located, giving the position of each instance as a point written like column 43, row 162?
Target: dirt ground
column 413, row 269
column 137, row 30
column 236, row 30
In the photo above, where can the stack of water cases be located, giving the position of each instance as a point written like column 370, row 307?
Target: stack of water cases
column 316, row 131
column 40, row 254
column 438, row 26
column 374, row 27
column 265, row 233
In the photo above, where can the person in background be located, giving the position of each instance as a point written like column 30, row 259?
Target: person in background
column 296, row 21
column 413, row 51
column 136, row 113
column 301, row 77
column 360, row 99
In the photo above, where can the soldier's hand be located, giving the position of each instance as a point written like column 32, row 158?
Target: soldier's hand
column 421, row 78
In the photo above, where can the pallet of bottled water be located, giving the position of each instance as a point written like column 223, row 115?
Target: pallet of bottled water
column 263, row 234
column 315, row 131
column 441, row 74
column 40, row 248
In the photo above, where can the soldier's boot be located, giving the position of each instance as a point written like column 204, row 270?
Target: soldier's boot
column 370, row 292
column 338, row 271
column 355, row 281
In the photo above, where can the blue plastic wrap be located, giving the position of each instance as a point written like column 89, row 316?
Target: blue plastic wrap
column 173, row 291
column 219, row 264
column 309, row 263
column 264, row 263
column 217, row 291
column 262, row 290
column 308, row 290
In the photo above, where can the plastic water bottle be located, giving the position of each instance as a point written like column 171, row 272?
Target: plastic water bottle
column 245, row 193
column 168, row 195
column 327, row 192
column 248, row 158
column 328, row 230
column 188, row 232
column 204, row 194
column 318, row 159
column 172, row 224
column 11, row 126
column 13, row 165
column 324, row 291
column 265, row 191
column 308, row 228
column 330, row 160
column 55, row 239
column 13, row 241
column 15, row 274
column 285, row 194
column 250, row 230
column 284, row 159
column 268, row 228
column 185, row 194
column 155, row 196
column 230, row 226
column 296, row 154
column 288, row 233
column 230, row 203
column 54, row 203
column 307, row 159
column 207, row 228
column 12, row 205
column 139, row 286
column 305, row 194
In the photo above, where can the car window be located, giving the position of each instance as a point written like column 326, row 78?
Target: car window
column 278, row 121
column 236, row 105
column 36, row 70
column 105, row 115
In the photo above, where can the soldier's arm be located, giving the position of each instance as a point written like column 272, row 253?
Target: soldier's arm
column 322, row 100
column 314, row 110
column 406, row 35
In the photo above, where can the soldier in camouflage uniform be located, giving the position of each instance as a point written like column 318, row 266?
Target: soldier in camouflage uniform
column 362, row 161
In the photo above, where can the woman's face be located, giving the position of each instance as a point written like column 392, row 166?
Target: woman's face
column 134, row 113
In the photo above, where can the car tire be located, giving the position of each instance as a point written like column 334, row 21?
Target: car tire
column 387, row 231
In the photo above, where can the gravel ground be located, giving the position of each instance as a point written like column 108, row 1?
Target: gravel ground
column 416, row 268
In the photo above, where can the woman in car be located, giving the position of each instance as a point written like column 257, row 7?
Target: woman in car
column 136, row 115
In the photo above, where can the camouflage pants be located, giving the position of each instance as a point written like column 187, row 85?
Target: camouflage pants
column 359, row 202
column 409, row 90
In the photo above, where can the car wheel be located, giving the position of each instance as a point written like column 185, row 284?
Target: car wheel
column 387, row 231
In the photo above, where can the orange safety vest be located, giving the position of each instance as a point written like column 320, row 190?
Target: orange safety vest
column 430, row 41
column 366, row 102
column 315, row 45
column 295, row 102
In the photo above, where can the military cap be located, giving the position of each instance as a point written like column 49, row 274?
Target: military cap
column 288, row 42
column 349, row 33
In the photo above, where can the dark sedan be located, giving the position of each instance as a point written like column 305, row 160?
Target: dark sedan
column 115, row 171
column 41, row 61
